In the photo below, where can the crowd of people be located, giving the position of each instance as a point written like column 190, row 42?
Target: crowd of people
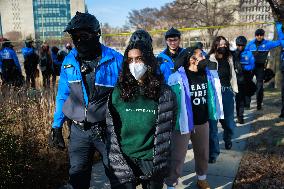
column 48, row 61
column 140, row 111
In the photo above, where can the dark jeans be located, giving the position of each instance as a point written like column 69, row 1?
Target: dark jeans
column 259, row 74
column 282, row 93
column 228, row 124
column 141, row 168
column 240, row 101
column 247, row 101
column 30, row 79
column 53, row 80
column 46, row 79
column 82, row 145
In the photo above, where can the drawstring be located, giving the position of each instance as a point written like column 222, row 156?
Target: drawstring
column 223, row 88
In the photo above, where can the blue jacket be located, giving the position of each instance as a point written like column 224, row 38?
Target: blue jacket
column 282, row 56
column 279, row 31
column 281, row 37
column 27, row 51
column 54, row 59
column 72, row 100
column 247, row 60
column 204, row 53
column 166, row 65
column 261, row 52
column 9, row 54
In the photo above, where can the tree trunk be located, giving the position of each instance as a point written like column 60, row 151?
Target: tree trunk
column 276, row 61
column 275, row 66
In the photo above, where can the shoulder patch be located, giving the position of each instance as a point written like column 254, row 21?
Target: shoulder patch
column 68, row 66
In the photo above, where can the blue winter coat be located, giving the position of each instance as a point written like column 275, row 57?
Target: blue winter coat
column 261, row 52
column 166, row 65
column 54, row 58
column 247, row 60
column 72, row 100
column 9, row 54
column 281, row 37
column 27, row 51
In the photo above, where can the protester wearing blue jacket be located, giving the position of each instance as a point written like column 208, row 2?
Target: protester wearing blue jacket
column 260, row 48
column 88, row 75
column 169, row 56
column 244, row 65
column 10, row 66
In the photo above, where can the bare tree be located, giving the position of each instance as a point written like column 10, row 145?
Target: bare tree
column 187, row 13
column 14, row 35
column 114, row 41
column 200, row 13
column 278, row 13
column 144, row 19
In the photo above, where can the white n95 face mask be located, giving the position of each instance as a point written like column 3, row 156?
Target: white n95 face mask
column 137, row 69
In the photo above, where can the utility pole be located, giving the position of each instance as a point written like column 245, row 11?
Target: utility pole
column 1, row 32
column 42, row 21
column 101, row 40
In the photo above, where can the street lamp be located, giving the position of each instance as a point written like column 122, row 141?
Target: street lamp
column 42, row 25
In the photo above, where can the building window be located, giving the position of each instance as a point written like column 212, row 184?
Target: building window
column 56, row 14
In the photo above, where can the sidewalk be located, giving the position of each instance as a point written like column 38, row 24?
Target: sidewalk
column 220, row 175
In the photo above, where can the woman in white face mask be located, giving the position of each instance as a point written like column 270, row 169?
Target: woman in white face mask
column 140, row 118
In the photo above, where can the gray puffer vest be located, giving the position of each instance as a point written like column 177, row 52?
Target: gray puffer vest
column 120, row 171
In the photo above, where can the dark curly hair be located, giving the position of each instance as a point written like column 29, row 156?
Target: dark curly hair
column 129, row 86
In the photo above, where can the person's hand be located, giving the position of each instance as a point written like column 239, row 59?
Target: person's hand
column 199, row 58
column 183, row 57
column 56, row 138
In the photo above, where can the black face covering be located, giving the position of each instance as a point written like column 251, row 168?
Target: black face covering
column 29, row 45
column 201, row 66
column 222, row 50
column 88, row 49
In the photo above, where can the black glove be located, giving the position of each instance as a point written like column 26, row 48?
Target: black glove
column 56, row 138
column 182, row 59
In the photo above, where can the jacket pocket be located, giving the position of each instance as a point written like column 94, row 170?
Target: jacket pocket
column 74, row 106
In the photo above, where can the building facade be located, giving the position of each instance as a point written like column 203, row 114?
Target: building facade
column 255, row 11
column 42, row 19
column 17, row 15
column 50, row 17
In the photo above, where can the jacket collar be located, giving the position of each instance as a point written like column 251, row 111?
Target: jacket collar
column 107, row 55
column 212, row 58
column 262, row 42
column 165, row 56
